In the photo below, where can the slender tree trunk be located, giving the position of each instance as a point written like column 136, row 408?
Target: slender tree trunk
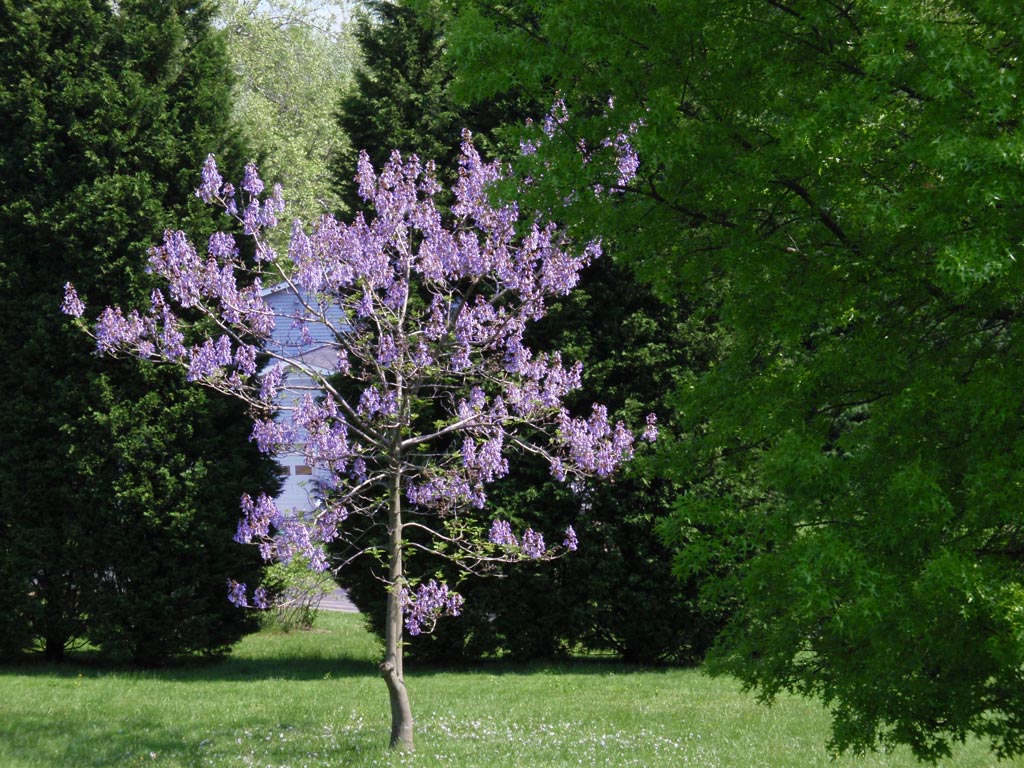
column 391, row 667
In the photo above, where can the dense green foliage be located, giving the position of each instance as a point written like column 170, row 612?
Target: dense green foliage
column 119, row 486
column 838, row 186
column 290, row 59
column 614, row 593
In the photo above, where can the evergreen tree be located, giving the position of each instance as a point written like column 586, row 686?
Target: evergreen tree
column 105, row 112
column 400, row 96
column 613, row 593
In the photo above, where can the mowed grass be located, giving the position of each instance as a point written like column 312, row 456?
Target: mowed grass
column 314, row 699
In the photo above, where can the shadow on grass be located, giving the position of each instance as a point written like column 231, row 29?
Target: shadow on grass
column 231, row 669
column 36, row 740
column 305, row 668
column 602, row 666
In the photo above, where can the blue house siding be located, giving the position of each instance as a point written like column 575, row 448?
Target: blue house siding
column 317, row 349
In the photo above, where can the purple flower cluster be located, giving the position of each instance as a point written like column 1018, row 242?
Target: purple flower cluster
column 325, row 433
column 212, row 184
column 650, row 433
column 418, row 301
column 446, row 492
column 627, row 161
column 272, row 435
column 374, row 402
column 542, row 384
column 427, row 604
column 238, row 596
column 532, row 546
column 571, row 543
column 501, row 534
column 72, row 306
column 486, row 462
column 208, row 359
column 557, row 116
column 259, row 517
column 114, row 330
column 594, row 445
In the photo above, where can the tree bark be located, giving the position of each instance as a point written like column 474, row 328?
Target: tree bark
column 391, row 667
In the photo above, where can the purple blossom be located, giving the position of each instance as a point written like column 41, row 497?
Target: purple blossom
column 209, row 358
column 650, row 433
column 222, row 246
column 359, row 469
column 373, row 402
column 172, row 340
column 271, row 435
column 252, row 221
column 236, row 594
column 558, row 469
column 558, row 115
column 501, row 534
column 176, row 260
column 252, row 182
column 327, row 522
column 114, row 330
column 427, row 604
column 72, row 305
column 271, row 383
column 272, row 206
column 594, row 445
column 571, row 543
column 212, row 181
column 230, row 201
column 485, row 462
column 258, row 517
column 259, row 598
column 533, row 544
column 343, row 364
column 387, row 352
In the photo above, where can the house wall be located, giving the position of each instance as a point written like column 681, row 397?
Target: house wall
column 300, row 481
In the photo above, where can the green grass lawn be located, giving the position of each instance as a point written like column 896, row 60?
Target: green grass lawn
column 313, row 699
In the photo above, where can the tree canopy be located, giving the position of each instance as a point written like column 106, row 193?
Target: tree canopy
column 837, row 187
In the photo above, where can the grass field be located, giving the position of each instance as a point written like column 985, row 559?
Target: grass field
column 313, row 699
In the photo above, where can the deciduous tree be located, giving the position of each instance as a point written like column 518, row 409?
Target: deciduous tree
column 416, row 314
column 291, row 59
column 841, row 181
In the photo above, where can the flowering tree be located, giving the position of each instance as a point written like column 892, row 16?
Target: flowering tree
column 429, row 388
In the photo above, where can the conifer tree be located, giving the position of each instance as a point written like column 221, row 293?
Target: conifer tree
column 614, row 593
column 105, row 110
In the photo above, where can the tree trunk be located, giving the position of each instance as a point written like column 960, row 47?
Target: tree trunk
column 391, row 667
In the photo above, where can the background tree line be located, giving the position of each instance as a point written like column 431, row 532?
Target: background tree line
column 119, row 486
